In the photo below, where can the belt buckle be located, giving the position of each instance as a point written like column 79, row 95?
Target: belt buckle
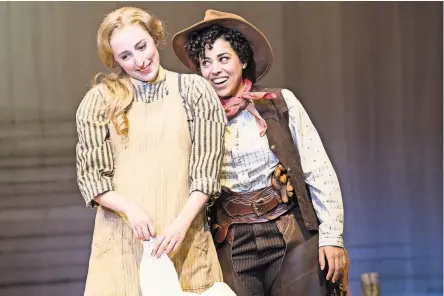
column 255, row 205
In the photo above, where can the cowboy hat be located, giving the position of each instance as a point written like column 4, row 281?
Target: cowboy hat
column 262, row 52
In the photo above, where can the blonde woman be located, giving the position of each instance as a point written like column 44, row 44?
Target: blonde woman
column 148, row 157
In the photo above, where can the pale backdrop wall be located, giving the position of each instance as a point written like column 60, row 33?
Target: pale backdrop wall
column 369, row 74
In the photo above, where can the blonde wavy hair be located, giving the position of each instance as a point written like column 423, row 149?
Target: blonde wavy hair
column 119, row 86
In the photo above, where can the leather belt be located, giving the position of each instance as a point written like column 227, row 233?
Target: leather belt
column 258, row 203
column 252, row 207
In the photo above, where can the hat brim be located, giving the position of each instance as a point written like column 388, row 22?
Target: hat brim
column 262, row 51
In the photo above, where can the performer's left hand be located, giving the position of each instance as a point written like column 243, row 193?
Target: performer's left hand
column 336, row 261
column 171, row 238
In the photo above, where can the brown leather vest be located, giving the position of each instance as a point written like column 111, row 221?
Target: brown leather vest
column 275, row 113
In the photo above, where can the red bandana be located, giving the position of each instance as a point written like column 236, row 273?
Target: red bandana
column 234, row 105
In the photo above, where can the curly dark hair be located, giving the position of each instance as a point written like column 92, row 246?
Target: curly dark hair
column 195, row 47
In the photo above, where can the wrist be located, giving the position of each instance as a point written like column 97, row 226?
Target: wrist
column 184, row 220
column 192, row 208
column 128, row 206
column 331, row 242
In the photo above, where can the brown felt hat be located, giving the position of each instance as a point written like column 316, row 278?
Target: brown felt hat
column 262, row 52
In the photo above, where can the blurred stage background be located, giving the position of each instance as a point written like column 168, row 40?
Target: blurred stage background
column 368, row 73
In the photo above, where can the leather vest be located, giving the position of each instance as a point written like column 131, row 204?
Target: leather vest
column 275, row 113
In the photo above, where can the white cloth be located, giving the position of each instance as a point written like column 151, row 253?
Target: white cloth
column 158, row 277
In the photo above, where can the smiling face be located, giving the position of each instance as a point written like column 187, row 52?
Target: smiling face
column 135, row 51
column 222, row 67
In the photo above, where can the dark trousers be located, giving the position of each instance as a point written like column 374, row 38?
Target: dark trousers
column 275, row 258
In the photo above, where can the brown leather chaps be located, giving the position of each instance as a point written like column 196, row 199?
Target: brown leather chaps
column 274, row 258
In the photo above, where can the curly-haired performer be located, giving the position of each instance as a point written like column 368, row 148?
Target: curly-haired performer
column 279, row 219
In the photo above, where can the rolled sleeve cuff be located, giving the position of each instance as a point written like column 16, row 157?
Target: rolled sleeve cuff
column 208, row 186
column 331, row 241
column 92, row 191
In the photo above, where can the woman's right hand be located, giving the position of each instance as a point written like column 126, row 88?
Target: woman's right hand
column 140, row 222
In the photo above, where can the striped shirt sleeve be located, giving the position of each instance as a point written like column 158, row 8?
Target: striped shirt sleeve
column 207, row 134
column 94, row 161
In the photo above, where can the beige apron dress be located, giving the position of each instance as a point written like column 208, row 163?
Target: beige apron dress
column 151, row 167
